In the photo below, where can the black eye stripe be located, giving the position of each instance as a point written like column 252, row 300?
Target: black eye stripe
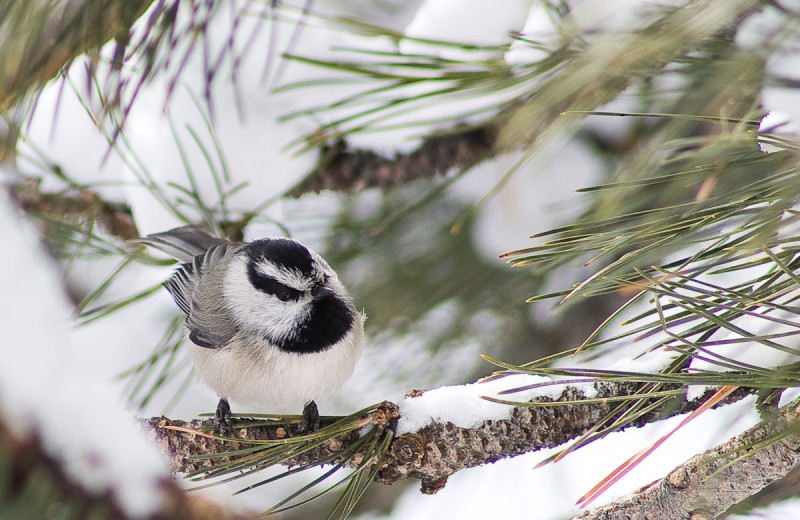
column 270, row 285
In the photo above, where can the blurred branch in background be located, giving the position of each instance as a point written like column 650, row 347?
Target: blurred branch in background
column 52, row 35
column 342, row 169
column 83, row 205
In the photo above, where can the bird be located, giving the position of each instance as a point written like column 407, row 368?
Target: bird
column 269, row 322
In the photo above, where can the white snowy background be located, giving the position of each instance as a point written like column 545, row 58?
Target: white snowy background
column 254, row 147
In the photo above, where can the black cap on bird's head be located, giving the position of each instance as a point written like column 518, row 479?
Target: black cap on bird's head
column 286, row 269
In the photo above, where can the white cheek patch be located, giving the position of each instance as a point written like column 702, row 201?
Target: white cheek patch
column 261, row 313
column 279, row 319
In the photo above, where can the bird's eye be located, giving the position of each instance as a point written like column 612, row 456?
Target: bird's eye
column 285, row 294
column 270, row 285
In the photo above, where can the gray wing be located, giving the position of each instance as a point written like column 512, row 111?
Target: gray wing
column 197, row 284
column 197, row 287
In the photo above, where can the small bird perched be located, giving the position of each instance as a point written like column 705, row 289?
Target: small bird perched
column 269, row 322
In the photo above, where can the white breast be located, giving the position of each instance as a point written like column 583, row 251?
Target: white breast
column 261, row 378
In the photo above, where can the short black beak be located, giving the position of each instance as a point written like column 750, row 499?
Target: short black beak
column 320, row 292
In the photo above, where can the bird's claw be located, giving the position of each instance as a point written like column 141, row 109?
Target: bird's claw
column 223, row 417
column 310, row 421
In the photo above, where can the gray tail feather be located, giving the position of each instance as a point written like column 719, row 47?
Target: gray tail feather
column 183, row 243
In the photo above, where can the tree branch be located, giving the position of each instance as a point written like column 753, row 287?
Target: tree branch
column 707, row 485
column 350, row 170
column 80, row 204
column 436, row 451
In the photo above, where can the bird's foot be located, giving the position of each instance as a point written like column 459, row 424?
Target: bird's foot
column 223, row 417
column 310, row 421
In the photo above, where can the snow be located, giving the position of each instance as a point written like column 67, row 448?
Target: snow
column 48, row 138
column 615, row 16
column 540, row 28
column 43, row 392
column 541, row 193
column 254, row 147
column 464, row 406
column 774, row 32
column 740, row 349
column 776, row 120
column 651, row 362
column 593, row 18
column 472, row 22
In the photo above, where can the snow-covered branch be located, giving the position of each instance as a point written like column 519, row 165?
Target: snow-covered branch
column 437, row 450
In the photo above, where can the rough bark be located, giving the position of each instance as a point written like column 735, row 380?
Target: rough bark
column 433, row 453
column 703, row 487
